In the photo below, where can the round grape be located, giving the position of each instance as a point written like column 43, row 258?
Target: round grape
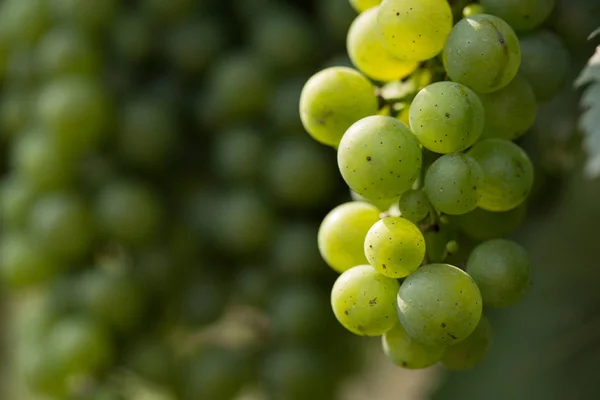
column 439, row 305
column 522, row 15
column 508, row 174
column 472, row 9
column 395, row 247
column 454, row 184
column 471, row 351
column 483, row 53
column 404, row 351
column 501, row 269
column 342, row 234
column 363, row 5
column 379, row 158
column 334, row 99
column 414, row 205
column 447, row 117
column 481, row 224
column 363, row 301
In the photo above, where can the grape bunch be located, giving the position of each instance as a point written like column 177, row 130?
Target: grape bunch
column 424, row 127
column 159, row 201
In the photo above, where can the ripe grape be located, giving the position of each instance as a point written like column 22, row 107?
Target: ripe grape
column 481, row 224
column 395, row 247
column 521, row 15
column 447, row 117
column 404, row 351
column 545, row 63
column 383, row 204
column 379, row 157
column 332, row 100
column 454, row 184
column 363, row 5
column 501, row 269
column 368, row 54
column 508, row 174
column 414, row 205
column 414, row 30
column 471, row 351
column 472, row 9
column 483, row 53
column 363, row 301
column 439, row 305
column 342, row 234
column 510, row 111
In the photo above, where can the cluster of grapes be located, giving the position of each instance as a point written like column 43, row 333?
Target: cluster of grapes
column 161, row 201
column 420, row 250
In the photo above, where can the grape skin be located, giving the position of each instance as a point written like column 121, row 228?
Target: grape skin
column 332, row 100
column 342, row 234
column 483, row 53
column 439, row 305
column 502, row 271
column 379, row 158
column 521, row 15
column 363, row 5
column 454, row 183
column 508, row 174
column 395, row 247
column 414, row 30
column 368, row 54
column 404, row 351
column 471, row 351
column 447, row 117
column 510, row 111
column 363, row 301
column 414, row 205
column 481, row 224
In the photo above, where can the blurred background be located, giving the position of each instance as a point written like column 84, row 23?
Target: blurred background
column 160, row 200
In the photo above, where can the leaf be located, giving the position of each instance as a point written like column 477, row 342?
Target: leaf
column 590, row 118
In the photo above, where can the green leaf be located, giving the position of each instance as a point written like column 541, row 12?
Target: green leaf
column 590, row 118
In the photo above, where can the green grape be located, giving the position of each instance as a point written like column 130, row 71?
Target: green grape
column 282, row 110
column 193, row 44
column 297, row 373
column 471, row 351
column 395, row 247
column 152, row 359
column 216, row 373
column 294, row 252
column 112, row 297
column 16, row 198
column 283, row 38
column 238, row 87
column 483, row 53
column 414, row 205
column 253, row 286
column 481, row 224
column 201, row 300
column 148, row 132
column 244, row 222
column 379, row 158
column 510, row 111
column 439, row 305
column 508, row 174
column 63, row 222
column 15, row 106
column 454, row 184
column 452, row 247
column 501, row 269
column 363, row 301
column 86, row 15
column 472, row 9
column 414, row 29
column 75, row 111
column 368, row 54
column 447, row 117
column 545, row 63
column 24, row 21
column 79, row 345
column 37, row 159
column 522, row 15
column 573, row 20
column 64, row 51
column 129, row 212
column 363, row 5
column 132, row 37
column 24, row 263
column 237, row 154
column 299, row 174
column 332, row 100
column 342, row 234
column 404, row 351
column 382, row 205
column 297, row 314
column 436, row 241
